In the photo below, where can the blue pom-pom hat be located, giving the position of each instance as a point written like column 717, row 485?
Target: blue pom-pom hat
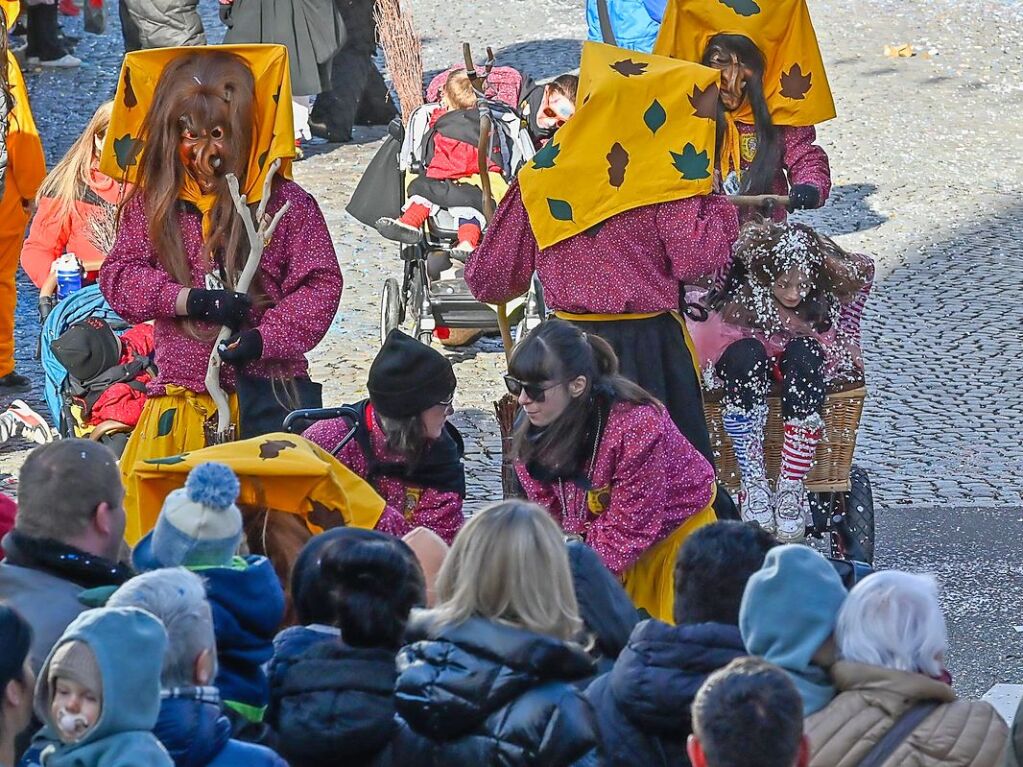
column 199, row 526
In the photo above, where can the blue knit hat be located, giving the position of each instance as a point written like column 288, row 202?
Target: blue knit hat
column 790, row 606
column 199, row 524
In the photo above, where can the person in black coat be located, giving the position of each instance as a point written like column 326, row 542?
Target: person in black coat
column 359, row 95
column 332, row 699
column 607, row 613
column 643, row 704
column 491, row 679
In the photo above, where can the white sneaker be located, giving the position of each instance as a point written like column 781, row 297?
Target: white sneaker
column 464, row 247
column 791, row 510
column 67, row 61
column 756, row 504
column 33, row 426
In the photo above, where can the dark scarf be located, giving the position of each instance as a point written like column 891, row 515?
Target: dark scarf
column 597, row 413
column 63, row 561
column 440, row 467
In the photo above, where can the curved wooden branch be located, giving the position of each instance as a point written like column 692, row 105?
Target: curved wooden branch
column 259, row 237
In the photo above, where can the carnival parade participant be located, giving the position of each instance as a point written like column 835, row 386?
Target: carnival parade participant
column 22, row 169
column 196, row 115
column 404, row 445
column 773, row 91
column 615, row 215
column 606, row 460
column 74, row 205
column 790, row 310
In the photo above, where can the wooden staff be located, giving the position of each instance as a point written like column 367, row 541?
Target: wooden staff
column 758, row 200
column 259, row 237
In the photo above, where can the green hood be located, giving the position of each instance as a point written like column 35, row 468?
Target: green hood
column 129, row 646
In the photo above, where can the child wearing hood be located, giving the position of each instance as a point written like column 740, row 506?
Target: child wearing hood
column 788, row 615
column 98, row 692
column 200, row 528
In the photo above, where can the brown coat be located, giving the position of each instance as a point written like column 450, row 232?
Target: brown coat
column 871, row 699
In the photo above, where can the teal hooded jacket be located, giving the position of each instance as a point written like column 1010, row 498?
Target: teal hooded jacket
column 129, row 645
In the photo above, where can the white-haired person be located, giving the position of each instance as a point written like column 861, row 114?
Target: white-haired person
column 892, row 681
column 191, row 725
column 492, row 678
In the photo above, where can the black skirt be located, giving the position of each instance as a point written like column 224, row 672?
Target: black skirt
column 653, row 353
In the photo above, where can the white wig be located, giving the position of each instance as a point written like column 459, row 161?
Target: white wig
column 178, row 598
column 893, row 619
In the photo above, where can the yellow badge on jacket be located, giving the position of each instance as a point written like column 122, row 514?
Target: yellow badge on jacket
column 412, row 497
column 643, row 133
column 273, row 135
column 598, row 499
column 795, row 83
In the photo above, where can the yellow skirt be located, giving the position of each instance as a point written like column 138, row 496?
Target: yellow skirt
column 650, row 583
column 169, row 425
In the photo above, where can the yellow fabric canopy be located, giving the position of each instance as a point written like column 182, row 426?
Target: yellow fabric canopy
column 11, row 9
column 643, row 133
column 282, row 472
column 795, row 83
column 273, row 134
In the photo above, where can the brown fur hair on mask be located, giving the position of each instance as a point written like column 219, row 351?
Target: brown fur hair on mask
column 201, row 122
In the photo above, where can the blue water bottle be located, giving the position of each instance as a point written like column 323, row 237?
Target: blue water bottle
column 69, row 275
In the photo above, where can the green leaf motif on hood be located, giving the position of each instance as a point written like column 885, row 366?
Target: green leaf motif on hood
column 655, row 116
column 560, row 209
column 691, row 164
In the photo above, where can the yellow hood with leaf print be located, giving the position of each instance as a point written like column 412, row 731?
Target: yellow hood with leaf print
column 643, row 133
column 282, row 472
column 795, row 84
column 273, row 135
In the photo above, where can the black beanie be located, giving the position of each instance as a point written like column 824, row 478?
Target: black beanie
column 408, row 377
column 16, row 640
column 87, row 348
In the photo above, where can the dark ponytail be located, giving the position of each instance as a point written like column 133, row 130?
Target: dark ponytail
column 16, row 641
column 560, row 351
column 375, row 581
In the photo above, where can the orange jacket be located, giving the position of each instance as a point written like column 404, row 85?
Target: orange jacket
column 26, row 165
column 52, row 235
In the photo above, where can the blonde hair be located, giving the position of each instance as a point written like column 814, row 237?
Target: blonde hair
column 509, row 564
column 458, row 90
column 70, row 177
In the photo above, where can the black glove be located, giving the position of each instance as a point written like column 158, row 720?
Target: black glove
column 221, row 307
column 46, row 304
column 225, row 14
column 803, row 196
column 242, row 348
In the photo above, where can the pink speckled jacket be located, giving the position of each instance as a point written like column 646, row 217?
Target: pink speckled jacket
column 646, row 481
column 407, row 506
column 631, row 263
column 802, row 162
column 299, row 273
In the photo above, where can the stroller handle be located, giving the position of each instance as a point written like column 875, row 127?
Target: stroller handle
column 323, row 414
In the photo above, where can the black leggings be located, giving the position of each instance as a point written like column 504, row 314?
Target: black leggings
column 447, row 194
column 746, row 371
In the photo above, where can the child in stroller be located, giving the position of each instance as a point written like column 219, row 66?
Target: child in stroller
column 789, row 313
column 107, row 376
column 451, row 170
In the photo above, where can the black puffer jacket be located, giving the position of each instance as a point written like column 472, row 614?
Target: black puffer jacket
column 334, row 705
column 484, row 693
column 643, row 705
column 604, row 606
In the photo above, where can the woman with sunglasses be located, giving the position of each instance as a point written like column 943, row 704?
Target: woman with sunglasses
column 605, row 459
column 404, row 445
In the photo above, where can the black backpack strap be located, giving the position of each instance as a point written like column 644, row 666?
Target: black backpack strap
column 605, row 23
column 901, row 730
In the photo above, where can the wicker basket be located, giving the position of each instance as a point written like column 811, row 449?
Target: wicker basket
column 830, row 472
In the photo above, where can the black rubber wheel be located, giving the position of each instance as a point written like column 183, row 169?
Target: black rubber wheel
column 854, row 530
column 390, row 307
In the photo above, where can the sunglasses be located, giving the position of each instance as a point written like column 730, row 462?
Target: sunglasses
column 535, row 392
column 447, row 402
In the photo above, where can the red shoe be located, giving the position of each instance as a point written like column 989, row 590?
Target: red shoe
column 68, row 8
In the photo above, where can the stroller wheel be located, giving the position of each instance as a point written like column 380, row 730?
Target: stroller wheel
column 390, row 307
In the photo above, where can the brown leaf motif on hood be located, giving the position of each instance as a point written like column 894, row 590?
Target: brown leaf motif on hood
column 273, row 448
column 794, row 84
column 325, row 517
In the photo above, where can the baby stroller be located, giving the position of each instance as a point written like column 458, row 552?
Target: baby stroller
column 431, row 294
column 67, row 416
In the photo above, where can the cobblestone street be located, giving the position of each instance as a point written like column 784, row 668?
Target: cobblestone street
column 926, row 159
